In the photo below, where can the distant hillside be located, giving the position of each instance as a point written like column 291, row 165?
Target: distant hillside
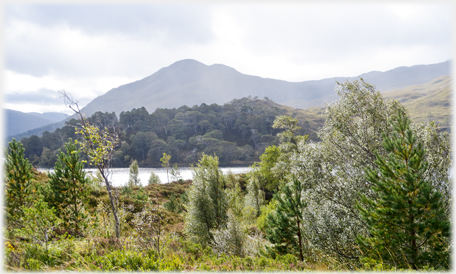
column 54, row 117
column 189, row 82
column 19, row 122
column 238, row 132
column 426, row 102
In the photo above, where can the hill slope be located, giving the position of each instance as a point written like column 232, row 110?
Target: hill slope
column 426, row 102
column 189, row 82
column 19, row 122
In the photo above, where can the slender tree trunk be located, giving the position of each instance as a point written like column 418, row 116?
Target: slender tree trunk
column 300, row 240
column 413, row 236
column 114, row 212
column 76, row 211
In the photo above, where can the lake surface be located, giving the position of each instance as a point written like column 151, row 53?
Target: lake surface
column 120, row 176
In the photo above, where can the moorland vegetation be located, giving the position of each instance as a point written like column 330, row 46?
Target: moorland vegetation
column 372, row 193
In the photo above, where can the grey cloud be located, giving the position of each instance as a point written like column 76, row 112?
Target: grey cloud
column 178, row 23
column 40, row 97
column 170, row 26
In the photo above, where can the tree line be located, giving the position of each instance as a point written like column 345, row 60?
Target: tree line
column 238, row 132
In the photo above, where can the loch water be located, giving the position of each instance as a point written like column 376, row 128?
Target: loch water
column 120, row 176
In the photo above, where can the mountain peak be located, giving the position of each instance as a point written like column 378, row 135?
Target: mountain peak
column 187, row 62
column 194, row 64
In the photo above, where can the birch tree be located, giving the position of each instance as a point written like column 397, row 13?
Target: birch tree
column 99, row 146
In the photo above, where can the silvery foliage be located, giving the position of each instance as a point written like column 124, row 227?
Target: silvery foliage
column 235, row 200
column 148, row 227
column 333, row 169
column 234, row 240
column 289, row 144
column 175, row 173
column 230, row 239
column 254, row 243
column 438, row 156
column 255, row 196
column 207, row 202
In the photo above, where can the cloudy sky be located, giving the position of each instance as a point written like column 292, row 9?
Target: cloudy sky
column 88, row 49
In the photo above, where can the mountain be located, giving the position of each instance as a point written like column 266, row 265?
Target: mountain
column 53, row 117
column 189, row 82
column 19, row 122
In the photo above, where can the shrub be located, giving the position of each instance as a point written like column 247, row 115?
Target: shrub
column 154, row 179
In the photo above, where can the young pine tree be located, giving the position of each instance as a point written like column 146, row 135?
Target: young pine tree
column 207, row 201
column 134, row 175
column 69, row 188
column 18, row 181
column 154, row 179
column 408, row 227
column 284, row 226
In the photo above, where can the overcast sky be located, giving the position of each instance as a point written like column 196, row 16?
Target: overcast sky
column 90, row 49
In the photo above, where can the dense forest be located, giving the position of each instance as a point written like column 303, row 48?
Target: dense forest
column 237, row 132
column 372, row 193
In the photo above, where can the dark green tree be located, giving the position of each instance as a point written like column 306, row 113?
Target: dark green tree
column 408, row 226
column 69, row 187
column 19, row 178
column 284, row 226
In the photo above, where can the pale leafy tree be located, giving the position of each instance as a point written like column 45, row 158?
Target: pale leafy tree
column 149, row 227
column 333, row 169
column 235, row 200
column 99, row 146
column 230, row 239
column 165, row 163
column 175, row 173
column 289, row 138
column 289, row 142
column 134, row 175
column 207, row 201
column 255, row 195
